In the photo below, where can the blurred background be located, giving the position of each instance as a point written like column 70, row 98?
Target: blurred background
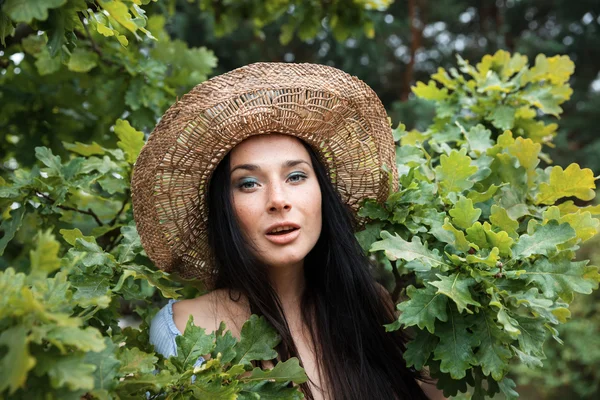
column 389, row 44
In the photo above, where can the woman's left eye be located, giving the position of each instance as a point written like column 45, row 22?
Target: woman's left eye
column 297, row 177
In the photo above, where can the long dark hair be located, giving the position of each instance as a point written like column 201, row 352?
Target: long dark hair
column 341, row 304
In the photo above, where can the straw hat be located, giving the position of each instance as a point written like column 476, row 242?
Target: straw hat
column 338, row 115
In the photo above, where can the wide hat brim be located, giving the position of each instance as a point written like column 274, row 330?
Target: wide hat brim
column 338, row 115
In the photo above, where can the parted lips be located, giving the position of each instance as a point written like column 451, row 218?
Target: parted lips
column 338, row 115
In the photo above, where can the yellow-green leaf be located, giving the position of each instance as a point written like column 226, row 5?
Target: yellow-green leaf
column 130, row 141
column 582, row 221
column 82, row 60
column 527, row 152
column 569, row 207
column 44, row 258
column 454, row 171
column 476, row 234
column 490, row 260
column 460, row 242
column 572, row 181
column 85, row 149
column 500, row 218
column 430, row 91
column 478, row 197
column 16, row 360
column 501, row 240
column 464, row 214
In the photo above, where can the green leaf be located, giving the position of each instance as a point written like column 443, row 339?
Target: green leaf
column 130, row 245
column 367, row 236
column 193, row 344
column 572, row 181
column 107, row 366
column 91, row 290
column 397, row 248
column 503, row 117
column 490, row 260
column 46, row 64
column 82, row 60
column 479, row 139
column 89, row 339
column 7, row 27
column 476, row 234
column 28, row 10
column 423, row 308
column 224, row 344
column 287, row 371
column 44, row 258
column 130, row 141
column 16, row 361
column 71, row 236
column 493, row 354
column 460, row 242
column 10, row 226
column 464, row 214
column 257, row 342
column 561, row 277
column 85, row 149
column 501, row 240
column 133, row 360
column 456, row 287
column 419, row 349
column 532, row 335
column 71, row 372
column 454, row 172
column 204, row 388
column 508, row 386
column 157, row 279
column 544, row 240
column 477, row 197
column 51, row 161
column 147, row 382
column 455, row 349
column 500, row 219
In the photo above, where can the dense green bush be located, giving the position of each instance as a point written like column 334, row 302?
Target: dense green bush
column 487, row 236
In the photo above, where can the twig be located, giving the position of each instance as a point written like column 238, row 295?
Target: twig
column 127, row 197
column 89, row 36
column 89, row 211
column 398, row 287
column 114, row 242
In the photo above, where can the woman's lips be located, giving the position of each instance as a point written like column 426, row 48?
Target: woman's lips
column 284, row 238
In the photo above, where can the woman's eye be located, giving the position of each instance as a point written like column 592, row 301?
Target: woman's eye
column 247, row 184
column 297, row 177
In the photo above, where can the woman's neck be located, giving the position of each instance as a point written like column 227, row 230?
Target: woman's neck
column 288, row 283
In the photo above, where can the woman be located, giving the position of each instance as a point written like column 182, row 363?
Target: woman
column 250, row 183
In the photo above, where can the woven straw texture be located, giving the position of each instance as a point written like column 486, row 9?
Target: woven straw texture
column 338, row 115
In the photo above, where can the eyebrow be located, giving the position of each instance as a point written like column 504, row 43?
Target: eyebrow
column 254, row 167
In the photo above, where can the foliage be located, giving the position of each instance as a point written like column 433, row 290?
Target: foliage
column 487, row 234
column 302, row 18
column 81, row 66
column 570, row 370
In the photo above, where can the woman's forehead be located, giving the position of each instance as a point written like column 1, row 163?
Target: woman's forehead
column 261, row 149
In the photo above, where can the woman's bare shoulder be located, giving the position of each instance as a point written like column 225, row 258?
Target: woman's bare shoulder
column 209, row 310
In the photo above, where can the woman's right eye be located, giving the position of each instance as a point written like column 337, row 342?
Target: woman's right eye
column 247, row 184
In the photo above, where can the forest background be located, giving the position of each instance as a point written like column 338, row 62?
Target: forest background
column 71, row 85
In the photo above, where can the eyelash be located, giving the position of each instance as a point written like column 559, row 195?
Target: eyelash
column 242, row 184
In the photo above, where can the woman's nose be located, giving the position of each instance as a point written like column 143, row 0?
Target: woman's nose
column 278, row 199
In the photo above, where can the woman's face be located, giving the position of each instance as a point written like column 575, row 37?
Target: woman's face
column 276, row 198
